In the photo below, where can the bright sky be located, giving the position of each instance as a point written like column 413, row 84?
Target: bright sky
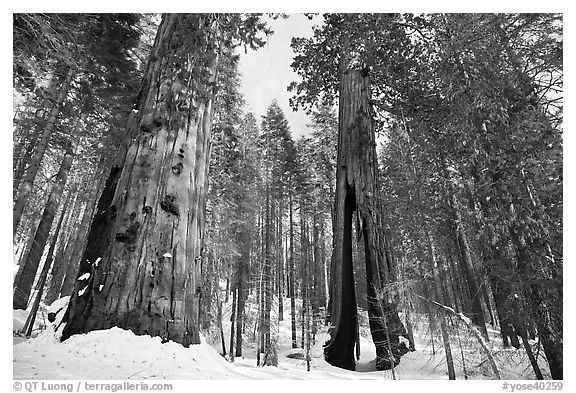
column 267, row 72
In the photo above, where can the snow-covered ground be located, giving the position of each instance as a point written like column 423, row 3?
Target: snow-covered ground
column 119, row 354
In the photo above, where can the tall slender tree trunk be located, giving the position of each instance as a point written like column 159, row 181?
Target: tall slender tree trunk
column 291, row 276
column 317, row 269
column 270, row 355
column 356, row 189
column 304, row 266
column 233, row 322
column 243, row 277
column 437, row 296
column 219, row 317
column 530, row 354
column 484, row 290
column 20, row 167
column 280, row 264
column 28, row 269
column 461, row 300
column 144, row 247
column 57, row 273
column 465, row 259
column 70, row 262
column 260, row 289
column 43, row 275
column 324, row 273
column 548, row 322
column 502, row 291
column 34, row 165
column 306, row 259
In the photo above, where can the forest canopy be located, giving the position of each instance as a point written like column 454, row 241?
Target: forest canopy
column 427, row 186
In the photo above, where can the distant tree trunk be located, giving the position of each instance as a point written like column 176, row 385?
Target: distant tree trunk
column 324, row 273
column 20, row 167
column 270, row 356
column 243, row 277
column 465, row 259
column 481, row 272
column 74, row 250
column 502, row 290
column 306, row 309
column 356, row 189
column 437, row 296
column 291, row 276
column 548, row 322
column 304, row 266
column 316, row 293
column 227, row 290
column 208, row 288
column 260, row 302
column 34, row 164
column 260, row 289
column 28, row 269
column 144, row 247
column 232, row 323
column 530, row 354
column 280, row 265
column 219, row 320
column 43, row 275
column 431, row 317
column 461, row 299
column 448, row 294
column 485, row 297
column 499, row 270
column 57, row 273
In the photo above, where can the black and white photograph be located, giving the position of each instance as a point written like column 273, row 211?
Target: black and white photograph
column 295, row 196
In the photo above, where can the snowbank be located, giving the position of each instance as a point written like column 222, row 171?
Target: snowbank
column 120, row 354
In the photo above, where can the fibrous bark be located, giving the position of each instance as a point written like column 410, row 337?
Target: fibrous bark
column 144, row 249
column 356, row 190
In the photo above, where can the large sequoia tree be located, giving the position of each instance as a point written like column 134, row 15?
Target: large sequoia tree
column 142, row 264
column 356, row 190
column 337, row 62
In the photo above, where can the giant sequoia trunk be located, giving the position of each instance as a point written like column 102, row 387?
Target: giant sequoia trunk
column 356, row 189
column 145, row 242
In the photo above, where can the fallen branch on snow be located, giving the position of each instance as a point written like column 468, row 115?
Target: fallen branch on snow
column 474, row 331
